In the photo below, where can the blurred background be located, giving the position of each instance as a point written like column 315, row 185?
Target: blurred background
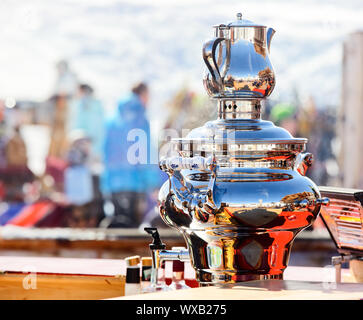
column 75, row 74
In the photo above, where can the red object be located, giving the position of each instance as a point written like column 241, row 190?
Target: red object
column 55, row 218
column 2, row 190
column 55, row 167
column 178, row 266
column 259, row 90
column 31, row 214
column 189, row 274
column 191, row 283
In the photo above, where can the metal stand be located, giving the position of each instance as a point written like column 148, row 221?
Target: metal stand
column 337, row 263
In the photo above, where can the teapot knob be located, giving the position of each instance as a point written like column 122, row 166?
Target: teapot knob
column 239, row 16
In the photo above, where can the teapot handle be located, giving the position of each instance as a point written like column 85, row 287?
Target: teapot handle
column 209, row 51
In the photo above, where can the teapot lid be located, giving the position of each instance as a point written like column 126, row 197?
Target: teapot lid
column 240, row 23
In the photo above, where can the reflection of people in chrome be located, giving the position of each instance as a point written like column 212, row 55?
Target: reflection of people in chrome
column 128, row 176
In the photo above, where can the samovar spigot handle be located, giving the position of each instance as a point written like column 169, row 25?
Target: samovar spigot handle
column 155, row 247
column 160, row 254
column 157, row 243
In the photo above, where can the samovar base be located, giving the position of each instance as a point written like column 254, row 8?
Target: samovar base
column 218, row 278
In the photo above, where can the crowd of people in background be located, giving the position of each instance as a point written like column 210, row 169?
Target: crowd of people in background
column 98, row 169
column 87, row 171
column 89, row 178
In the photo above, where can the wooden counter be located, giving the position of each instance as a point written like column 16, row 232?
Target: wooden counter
column 77, row 279
column 28, row 278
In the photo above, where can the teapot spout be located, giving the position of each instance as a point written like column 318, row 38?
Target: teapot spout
column 270, row 33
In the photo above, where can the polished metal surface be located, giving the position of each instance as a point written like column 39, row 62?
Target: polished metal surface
column 238, row 225
column 237, row 61
column 235, row 109
column 161, row 255
column 237, row 189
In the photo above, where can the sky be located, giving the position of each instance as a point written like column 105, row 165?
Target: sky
column 112, row 44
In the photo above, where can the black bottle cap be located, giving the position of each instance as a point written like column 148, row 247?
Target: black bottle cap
column 133, row 275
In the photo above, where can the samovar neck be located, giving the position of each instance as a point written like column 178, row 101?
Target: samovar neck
column 239, row 109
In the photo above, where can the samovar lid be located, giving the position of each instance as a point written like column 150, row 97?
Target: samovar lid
column 240, row 23
column 244, row 131
column 228, row 138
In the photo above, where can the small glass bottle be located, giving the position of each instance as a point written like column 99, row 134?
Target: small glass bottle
column 157, row 281
column 178, row 282
column 132, row 285
column 146, row 269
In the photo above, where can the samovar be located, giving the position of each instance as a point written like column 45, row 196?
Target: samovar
column 237, row 189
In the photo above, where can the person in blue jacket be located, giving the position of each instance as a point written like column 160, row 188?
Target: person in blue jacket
column 128, row 175
column 86, row 113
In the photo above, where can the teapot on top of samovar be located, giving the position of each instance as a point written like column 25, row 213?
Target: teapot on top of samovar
column 238, row 62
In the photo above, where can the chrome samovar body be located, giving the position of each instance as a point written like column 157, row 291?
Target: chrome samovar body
column 237, row 190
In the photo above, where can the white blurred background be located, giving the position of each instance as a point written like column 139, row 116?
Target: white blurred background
column 111, row 44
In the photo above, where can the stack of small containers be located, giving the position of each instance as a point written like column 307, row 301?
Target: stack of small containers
column 138, row 280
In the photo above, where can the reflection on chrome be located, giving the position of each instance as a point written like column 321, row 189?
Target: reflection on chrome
column 237, row 61
column 237, row 189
